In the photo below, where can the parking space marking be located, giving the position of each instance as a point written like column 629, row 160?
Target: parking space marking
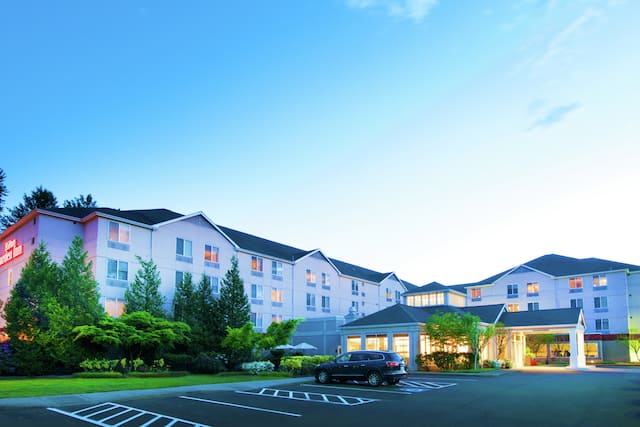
column 253, row 408
column 369, row 390
column 420, row 386
column 334, row 399
column 121, row 414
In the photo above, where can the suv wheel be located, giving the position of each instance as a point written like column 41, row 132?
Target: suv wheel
column 374, row 378
column 323, row 377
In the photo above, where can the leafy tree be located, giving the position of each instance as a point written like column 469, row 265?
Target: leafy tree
column 81, row 201
column 138, row 335
column 476, row 336
column 3, row 189
column 631, row 340
column 535, row 341
column 233, row 303
column 278, row 333
column 501, row 340
column 39, row 198
column 144, row 293
column 445, row 331
column 240, row 344
column 184, row 300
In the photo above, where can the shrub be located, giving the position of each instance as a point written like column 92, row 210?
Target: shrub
column 302, row 365
column 208, row 364
column 179, row 362
column 256, row 367
column 96, row 374
column 7, row 362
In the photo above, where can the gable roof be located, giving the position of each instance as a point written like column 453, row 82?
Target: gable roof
column 143, row 216
column 557, row 316
column 403, row 314
column 358, row 272
column 433, row 287
column 264, row 246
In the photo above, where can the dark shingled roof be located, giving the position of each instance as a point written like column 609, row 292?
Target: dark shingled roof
column 557, row 316
column 358, row 272
column 402, row 314
column 263, row 246
column 433, row 287
column 143, row 216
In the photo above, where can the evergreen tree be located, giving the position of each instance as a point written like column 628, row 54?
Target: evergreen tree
column 3, row 189
column 144, row 293
column 207, row 330
column 39, row 198
column 184, row 300
column 233, row 303
column 81, row 201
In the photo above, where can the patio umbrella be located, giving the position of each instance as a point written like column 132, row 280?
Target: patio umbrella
column 284, row 347
column 305, row 346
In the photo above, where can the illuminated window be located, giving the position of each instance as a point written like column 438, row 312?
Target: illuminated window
column 600, row 281
column 401, row 345
column 389, row 295
column 256, row 292
column 10, row 278
column 310, row 276
column 256, row 319
column 532, row 289
column 184, row 248
column 117, row 270
column 119, row 232
column 476, row 294
column 576, row 303
column 114, row 307
column 354, row 343
column 533, row 306
column 276, row 318
column 211, row 253
column 575, row 283
column 276, row 295
column 602, row 324
column 513, row 307
column 354, row 287
column 326, row 304
column 600, row 303
column 376, row 342
column 256, row 264
column 311, row 302
column 512, row 291
column 276, row 268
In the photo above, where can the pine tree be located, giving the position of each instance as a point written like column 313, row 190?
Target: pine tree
column 39, row 198
column 81, row 201
column 233, row 303
column 183, row 300
column 207, row 330
column 144, row 293
column 3, row 189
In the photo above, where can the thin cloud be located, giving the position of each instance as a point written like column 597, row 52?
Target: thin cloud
column 554, row 116
column 415, row 10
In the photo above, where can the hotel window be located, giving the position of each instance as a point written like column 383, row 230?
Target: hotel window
column 533, row 306
column 117, row 270
column 276, row 269
column 256, row 264
column 354, row 343
column 211, row 254
column 179, row 277
column 576, row 303
column 354, row 304
column 256, row 319
column 602, row 324
column 354, row 287
column 377, row 342
column 311, row 277
column 476, row 294
column 326, row 281
column 10, row 277
column 389, row 295
column 600, row 281
column 513, row 308
column 512, row 291
column 311, row 302
column 600, row 303
column 575, row 284
column 184, row 250
column 532, row 289
column 256, row 292
column 119, row 235
column 326, row 304
column 398, row 296
column 114, row 307
column 276, row 296
column 276, row 318
column 215, row 284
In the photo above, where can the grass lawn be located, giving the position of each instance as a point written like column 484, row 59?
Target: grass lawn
column 54, row 386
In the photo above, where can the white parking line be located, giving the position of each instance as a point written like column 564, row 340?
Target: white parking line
column 115, row 410
column 426, row 384
column 253, row 408
column 372, row 390
column 311, row 397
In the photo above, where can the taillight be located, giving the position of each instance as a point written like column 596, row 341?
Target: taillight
column 393, row 364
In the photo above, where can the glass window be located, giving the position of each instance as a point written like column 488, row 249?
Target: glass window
column 354, row 304
column 211, row 253
column 179, row 277
column 599, row 280
column 388, row 294
column 311, row 301
column 401, row 345
column 326, row 303
column 354, row 287
column 533, row 306
column 256, row 263
column 276, row 268
column 398, row 296
column 326, row 280
column 600, row 302
column 376, row 342
column 533, row 288
column 575, row 283
column 576, row 303
column 512, row 291
column 10, row 277
column 256, row 319
column 513, row 307
column 114, row 307
column 276, row 295
column 310, row 276
column 119, row 232
column 117, row 270
column 354, row 343
column 215, row 284
column 256, row 291
column 184, row 247
column 276, row 318
column 602, row 324
column 476, row 293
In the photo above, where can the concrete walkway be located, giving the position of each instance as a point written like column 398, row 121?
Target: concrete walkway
column 95, row 398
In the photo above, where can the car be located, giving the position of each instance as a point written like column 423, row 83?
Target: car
column 375, row 367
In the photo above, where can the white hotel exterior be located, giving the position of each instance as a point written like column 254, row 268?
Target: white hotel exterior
column 282, row 282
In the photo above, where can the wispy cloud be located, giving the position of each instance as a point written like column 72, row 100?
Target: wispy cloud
column 415, row 10
column 554, row 115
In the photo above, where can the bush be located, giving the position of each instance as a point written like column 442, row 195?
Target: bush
column 7, row 362
column 95, row 374
column 158, row 374
column 256, row 367
column 208, row 364
column 179, row 362
column 302, row 365
column 449, row 361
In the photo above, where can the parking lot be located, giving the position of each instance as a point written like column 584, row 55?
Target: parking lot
column 562, row 399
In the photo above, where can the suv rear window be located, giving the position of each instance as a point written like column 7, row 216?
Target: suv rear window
column 395, row 357
column 375, row 356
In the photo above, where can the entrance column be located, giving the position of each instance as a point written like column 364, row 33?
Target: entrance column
column 577, row 359
column 414, row 349
column 518, row 351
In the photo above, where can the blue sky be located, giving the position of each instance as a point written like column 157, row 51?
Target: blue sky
column 443, row 140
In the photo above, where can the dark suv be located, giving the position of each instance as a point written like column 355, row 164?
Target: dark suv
column 372, row 366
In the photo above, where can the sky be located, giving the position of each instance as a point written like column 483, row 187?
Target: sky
column 442, row 140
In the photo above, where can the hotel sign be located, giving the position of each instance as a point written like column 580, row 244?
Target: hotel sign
column 12, row 250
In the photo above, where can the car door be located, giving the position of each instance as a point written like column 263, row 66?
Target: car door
column 351, row 368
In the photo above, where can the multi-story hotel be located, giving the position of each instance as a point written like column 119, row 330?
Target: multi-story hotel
column 591, row 301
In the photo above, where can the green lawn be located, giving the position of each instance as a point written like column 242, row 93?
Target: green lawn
column 55, row 386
